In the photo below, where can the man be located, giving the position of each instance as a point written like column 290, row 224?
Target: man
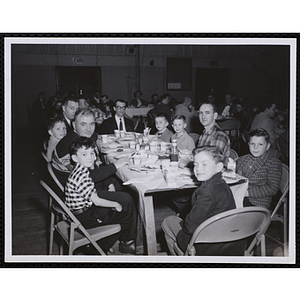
column 212, row 134
column 118, row 121
column 188, row 110
column 102, row 175
column 228, row 108
column 84, row 126
column 265, row 120
column 69, row 108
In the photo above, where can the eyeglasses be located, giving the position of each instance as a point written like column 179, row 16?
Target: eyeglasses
column 121, row 107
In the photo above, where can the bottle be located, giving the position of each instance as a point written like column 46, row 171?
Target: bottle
column 174, row 151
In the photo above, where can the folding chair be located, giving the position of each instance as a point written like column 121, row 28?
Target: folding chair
column 51, row 172
column 232, row 128
column 229, row 226
column 283, row 218
column 233, row 154
column 73, row 232
column 44, row 156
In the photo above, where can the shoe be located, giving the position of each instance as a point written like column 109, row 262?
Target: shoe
column 127, row 247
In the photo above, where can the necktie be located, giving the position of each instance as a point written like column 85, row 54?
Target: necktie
column 121, row 124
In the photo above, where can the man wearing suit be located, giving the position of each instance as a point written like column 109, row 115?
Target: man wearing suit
column 118, row 121
column 69, row 108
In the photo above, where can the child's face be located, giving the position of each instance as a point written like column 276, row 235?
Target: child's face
column 85, row 157
column 258, row 145
column 179, row 125
column 59, row 130
column 205, row 167
column 161, row 123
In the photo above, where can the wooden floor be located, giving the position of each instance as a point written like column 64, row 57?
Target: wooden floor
column 30, row 204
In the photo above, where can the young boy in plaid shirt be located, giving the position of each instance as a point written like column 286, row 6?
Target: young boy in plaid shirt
column 262, row 169
column 91, row 210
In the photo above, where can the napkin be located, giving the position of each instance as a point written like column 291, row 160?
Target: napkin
column 138, row 180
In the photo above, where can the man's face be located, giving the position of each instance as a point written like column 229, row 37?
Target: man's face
column 272, row 111
column 86, row 157
column 258, row 145
column 239, row 108
column 85, row 125
column 70, row 109
column 205, row 167
column 207, row 115
column 227, row 99
column 120, row 109
column 83, row 104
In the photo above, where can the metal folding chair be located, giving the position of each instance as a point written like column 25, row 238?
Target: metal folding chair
column 73, row 232
column 232, row 128
column 229, row 226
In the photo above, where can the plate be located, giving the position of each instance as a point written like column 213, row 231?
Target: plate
column 122, row 155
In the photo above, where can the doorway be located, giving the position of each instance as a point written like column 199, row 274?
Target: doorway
column 211, row 80
column 80, row 81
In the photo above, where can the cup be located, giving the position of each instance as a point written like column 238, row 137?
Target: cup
column 117, row 133
column 163, row 146
column 153, row 146
column 132, row 145
column 104, row 139
column 137, row 159
column 122, row 133
column 173, row 166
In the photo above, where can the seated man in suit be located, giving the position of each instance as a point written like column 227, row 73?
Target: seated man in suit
column 69, row 108
column 118, row 121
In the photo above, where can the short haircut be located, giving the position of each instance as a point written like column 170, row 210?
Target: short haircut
column 86, row 112
column 215, row 152
column 122, row 101
column 136, row 93
column 67, row 99
column 51, row 123
column 82, row 142
column 260, row 132
column 180, row 117
column 212, row 104
column 162, row 115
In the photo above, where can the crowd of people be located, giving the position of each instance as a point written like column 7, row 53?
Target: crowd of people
column 70, row 127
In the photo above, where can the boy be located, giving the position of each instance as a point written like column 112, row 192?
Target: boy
column 184, row 141
column 161, row 124
column 212, row 197
column 91, row 210
column 261, row 168
column 57, row 130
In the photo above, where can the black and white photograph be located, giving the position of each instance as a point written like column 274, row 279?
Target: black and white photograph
column 150, row 150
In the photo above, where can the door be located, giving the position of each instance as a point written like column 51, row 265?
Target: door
column 78, row 80
column 210, row 80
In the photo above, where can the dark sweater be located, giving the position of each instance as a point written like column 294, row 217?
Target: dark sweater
column 211, row 198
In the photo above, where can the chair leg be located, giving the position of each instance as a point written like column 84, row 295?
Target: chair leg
column 285, row 230
column 51, row 233
column 263, row 245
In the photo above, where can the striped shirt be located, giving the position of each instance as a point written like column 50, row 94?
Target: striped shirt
column 79, row 188
column 216, row 137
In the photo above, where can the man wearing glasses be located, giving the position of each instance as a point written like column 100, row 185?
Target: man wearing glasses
column 118, row 121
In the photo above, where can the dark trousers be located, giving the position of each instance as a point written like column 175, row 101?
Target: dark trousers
column 99, row 216
column 127, row 203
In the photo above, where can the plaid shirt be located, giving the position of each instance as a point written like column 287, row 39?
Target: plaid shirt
column 79, row 188
column 216, row 137
column 264, row 175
